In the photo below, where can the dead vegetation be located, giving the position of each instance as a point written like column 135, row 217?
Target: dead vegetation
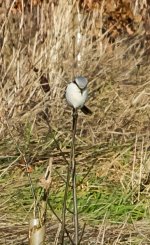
column 102, row 234
column 36, row 63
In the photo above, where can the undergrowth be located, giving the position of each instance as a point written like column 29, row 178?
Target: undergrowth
column 112, row 145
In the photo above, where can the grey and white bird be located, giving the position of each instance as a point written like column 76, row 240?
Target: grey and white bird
column 77, row 94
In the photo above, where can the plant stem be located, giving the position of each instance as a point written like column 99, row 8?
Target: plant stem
column 73, row 166
column 65, row 205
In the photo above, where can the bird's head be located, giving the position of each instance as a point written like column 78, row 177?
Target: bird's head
column 81, row 82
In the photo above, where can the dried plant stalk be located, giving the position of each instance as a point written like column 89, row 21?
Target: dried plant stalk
column 73, row 168
column 37, row 225
column 36, row 232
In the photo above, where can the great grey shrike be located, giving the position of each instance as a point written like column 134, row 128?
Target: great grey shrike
column 77, row 94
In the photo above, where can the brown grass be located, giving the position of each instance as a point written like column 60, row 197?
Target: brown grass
column 119, row 88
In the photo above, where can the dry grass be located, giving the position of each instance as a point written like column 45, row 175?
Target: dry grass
column 103, row 234
column 114, row 140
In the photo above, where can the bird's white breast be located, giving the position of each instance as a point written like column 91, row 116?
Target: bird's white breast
column 75, row 97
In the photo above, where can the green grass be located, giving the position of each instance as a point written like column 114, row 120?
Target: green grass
column 98, row 201
column 97, row 195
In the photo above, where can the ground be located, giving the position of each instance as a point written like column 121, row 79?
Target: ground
column 37, row 61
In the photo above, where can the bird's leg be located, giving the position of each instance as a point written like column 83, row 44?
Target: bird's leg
column 75, row 117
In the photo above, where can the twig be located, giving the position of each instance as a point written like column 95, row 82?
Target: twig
column 88, row 171
column 67, row 232
column 65, row 204
column 82, row 233
column 45, row 183
column 73, row 168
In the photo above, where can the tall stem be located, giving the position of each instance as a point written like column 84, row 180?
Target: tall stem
column 73, row 165
column 65, row 205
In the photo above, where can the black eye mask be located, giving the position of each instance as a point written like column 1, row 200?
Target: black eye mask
column 81, row 89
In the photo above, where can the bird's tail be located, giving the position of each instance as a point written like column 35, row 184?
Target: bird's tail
column 86, row 110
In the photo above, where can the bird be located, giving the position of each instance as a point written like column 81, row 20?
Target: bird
column 77, row 94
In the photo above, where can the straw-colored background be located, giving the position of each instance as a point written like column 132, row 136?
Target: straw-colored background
column 113, row 143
